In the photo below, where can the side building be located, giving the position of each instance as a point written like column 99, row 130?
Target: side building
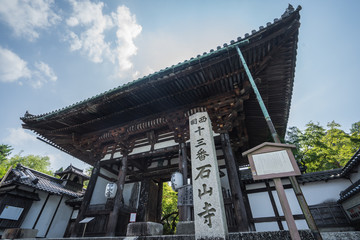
column 33, row 200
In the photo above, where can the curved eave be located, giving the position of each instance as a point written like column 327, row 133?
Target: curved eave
column 205, row 76
column 169, row 72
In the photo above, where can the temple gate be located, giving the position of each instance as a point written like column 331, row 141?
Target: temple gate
column 137, row 135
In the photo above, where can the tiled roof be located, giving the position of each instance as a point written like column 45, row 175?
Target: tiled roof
column 346, row 171
column 246, row 176
column 350, row 191
column 270, row 52
column 72, row 169
column 26, row 176
column 353, row 162
column 319, row 176
column 168, row 70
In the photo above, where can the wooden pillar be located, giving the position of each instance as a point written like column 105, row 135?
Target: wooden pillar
column 184, row 211
column 150, row 199
column 237, row 196
column 273, row 203
column 294, row 233
column 114, row 214
column 159, row 198
column 87, row 197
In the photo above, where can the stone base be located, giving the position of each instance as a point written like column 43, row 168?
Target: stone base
column 185, row 228
column 144, row 229
column 12, row 233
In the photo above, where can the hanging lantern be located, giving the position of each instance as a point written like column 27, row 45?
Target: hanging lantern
column 110, row 190
column 176, row 181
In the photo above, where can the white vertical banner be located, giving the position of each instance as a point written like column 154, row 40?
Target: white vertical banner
column 209, row 214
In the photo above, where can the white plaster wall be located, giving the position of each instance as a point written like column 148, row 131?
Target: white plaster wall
column 320, row 192
column 127, row 193
column 107, row 173
column 300, row 224
column 355, row 176
column 140, row 149
column 260, row 205
column 267, row 226
column 273, row 226
column 165, row 144
column 61, row 220
column 117, row 155
column 291, row 197
column 34, row 211
column 106, row 157
column 47, row 214
column 98, row 196
column 315, row 193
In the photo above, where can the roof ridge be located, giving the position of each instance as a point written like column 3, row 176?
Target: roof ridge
column 41, row 174
column 288, row 12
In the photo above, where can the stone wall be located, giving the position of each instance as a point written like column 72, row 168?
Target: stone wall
column 275, row 235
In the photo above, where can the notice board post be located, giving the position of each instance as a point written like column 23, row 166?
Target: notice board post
column 273, row 161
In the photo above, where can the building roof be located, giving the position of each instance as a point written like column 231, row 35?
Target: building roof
column 270, row 54
column 351, row 164
column 319, row 176
column 25, row 176
column 72, row 169
column 346, row 171
column 246, row 176
column 350, row 191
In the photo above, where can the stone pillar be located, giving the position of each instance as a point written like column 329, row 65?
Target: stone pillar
column 237, row 196
column 114, row 214
column 87, row 197
column 209, row 213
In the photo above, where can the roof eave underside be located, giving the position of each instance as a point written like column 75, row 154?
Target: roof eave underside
column 199, row 78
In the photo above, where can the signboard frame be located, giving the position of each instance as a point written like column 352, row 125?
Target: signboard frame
column 271, row 149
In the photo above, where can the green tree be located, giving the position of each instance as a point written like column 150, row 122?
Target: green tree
column 320, row 149
column 88, row 172
column 35, row 162
column 355, row 135
column 170, row 213
column 5, row 151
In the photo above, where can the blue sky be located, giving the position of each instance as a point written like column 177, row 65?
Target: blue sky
column 56, row 53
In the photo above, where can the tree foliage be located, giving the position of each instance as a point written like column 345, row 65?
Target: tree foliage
column 324, row 149
column 5, row 151
column 35, row 162
column 170, row 214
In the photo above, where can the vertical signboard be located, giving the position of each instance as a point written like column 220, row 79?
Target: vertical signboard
column 209, row 214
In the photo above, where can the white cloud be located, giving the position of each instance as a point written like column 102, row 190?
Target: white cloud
column 137, row 74
column 12, row 67
column 27, row 17
column 45, row 70
column 42, row 75
column 92, row 40
column 127, row 31
column 18, row 137
column 92, row 28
